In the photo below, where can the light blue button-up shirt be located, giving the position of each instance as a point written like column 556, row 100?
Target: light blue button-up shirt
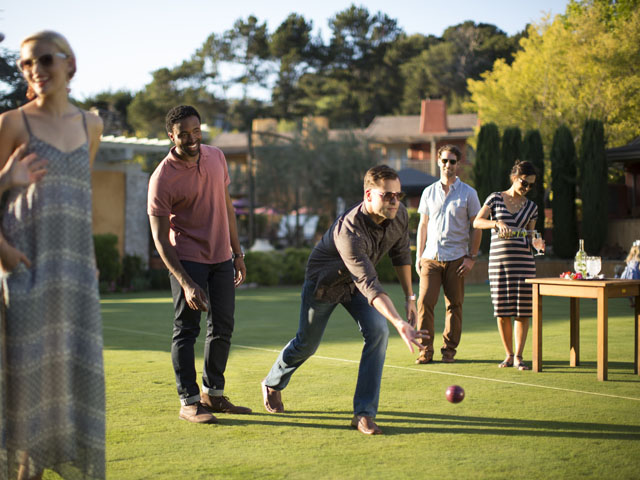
column 449, row 219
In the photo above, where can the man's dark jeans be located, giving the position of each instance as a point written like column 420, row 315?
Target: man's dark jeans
column 217, row 282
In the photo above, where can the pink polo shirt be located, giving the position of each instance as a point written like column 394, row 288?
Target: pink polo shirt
column 193, row 197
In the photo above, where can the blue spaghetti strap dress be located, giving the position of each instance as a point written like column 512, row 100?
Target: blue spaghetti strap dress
column 52, row 410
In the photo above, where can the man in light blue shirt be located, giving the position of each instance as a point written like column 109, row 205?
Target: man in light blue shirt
column 447, row 247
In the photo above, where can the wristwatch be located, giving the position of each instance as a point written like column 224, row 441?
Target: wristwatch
column 238, row 255
column 411, row 297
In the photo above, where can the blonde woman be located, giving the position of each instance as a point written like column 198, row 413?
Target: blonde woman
column 52, row 371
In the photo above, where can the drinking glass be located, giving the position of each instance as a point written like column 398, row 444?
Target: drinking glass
column 594, row 264
column 538, row 243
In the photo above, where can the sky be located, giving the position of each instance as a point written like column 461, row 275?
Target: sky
column 118, row 43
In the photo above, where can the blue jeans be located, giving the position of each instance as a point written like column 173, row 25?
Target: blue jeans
column 217, row 282
column 314, row 316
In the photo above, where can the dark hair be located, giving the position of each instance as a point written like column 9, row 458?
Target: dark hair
column 523, row 168
column 180, row 113
column 450, row 148
column 377, row 173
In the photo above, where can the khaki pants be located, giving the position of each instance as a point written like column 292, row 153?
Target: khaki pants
column 433, row 275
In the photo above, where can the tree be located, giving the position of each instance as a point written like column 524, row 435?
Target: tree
column 563, row 184
column 291, row 46
column 593, row 166
column 117, row 104
column 509, row 154
column 13, row 88
column 532, row 151
column 441, row 71
column 247, row 45
column 186, row 84
column 350, row 86
column 291, row 172
column 581, row 65
column 485, row 167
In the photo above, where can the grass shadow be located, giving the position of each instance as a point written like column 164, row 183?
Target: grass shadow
column 405, row 423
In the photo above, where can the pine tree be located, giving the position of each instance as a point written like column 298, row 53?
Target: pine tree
column 532, row 152
column 593, row 165
column 487, row 160
column 563, row 185
column 509, row 154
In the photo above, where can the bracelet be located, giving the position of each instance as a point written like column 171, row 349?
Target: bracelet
column 411, row 297
column 238, row 255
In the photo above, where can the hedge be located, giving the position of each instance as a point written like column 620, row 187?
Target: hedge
column 287, row 267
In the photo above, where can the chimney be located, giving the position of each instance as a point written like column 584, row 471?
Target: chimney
column 433, row 117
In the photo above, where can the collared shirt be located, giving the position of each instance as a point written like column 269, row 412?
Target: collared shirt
column 193, row 196
column 449, row 219
column 346, row 256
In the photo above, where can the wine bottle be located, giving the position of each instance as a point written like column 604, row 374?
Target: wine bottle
column 580, row 262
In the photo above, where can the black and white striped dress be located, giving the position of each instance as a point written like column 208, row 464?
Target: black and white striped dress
column 511, row 260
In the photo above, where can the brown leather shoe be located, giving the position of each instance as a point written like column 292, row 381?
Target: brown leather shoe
column 272, row 399
column 424, row 358
column 221, row 404
column 448, row 359
column 196, row 413
column 365, row 425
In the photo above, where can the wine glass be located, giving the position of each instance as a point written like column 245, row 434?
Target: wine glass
column 594, row 264
column 538, row 243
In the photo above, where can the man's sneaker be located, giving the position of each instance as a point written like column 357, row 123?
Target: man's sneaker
column 196, row 413
column 221, row 404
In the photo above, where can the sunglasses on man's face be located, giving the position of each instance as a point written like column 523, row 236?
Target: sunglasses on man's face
column 45, row 61
column 451, row 161
column 388, row 196
column 526, row 184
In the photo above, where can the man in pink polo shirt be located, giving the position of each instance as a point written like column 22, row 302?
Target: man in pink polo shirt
column 194, row 229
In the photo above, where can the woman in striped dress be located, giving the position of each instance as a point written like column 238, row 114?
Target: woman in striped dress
column 510, row 259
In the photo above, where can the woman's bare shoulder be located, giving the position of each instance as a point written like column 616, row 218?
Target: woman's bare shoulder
column 94, row 122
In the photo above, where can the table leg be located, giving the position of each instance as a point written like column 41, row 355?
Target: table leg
column 636, row 320
column 574, row 332
column 537, row 329
column 603, row 341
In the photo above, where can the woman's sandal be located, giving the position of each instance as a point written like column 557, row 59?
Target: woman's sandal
column 521, row 365
column 508, row 362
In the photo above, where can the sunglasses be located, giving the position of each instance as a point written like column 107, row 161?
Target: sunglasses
column 388, row 196
column 526, row 184
column 45, row 60
column 452, row 161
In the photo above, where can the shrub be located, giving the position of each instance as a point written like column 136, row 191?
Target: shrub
column 294, row 262
column 107, row 258
column 532, row 151
column 563, row 184
column 593, row 165
column 159, row 279
column 485, row 168
column 509, row 154
column 134, row 275
column 263, row 268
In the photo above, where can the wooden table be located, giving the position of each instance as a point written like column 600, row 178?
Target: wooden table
column 602, row 291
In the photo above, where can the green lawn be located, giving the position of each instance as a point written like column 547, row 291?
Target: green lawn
column 561, row 423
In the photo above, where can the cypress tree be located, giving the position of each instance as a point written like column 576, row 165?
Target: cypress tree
column 510, row 152
column 563, row 186
column 532, row 152
column 594, row 172
column 487, row 160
